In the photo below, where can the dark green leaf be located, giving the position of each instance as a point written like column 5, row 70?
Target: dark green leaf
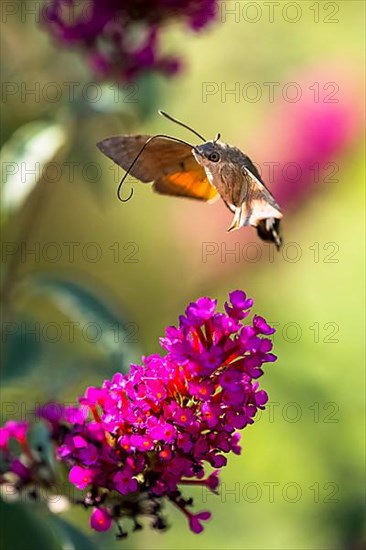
column 98, row 316
column 19, row 353
column 22, row 527
column 71, row 537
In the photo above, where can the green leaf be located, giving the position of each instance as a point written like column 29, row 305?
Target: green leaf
column 22, row 527
column 105, row 322
column 71, row 537
column 36, row 528
column 24, row 157
column 19, row 354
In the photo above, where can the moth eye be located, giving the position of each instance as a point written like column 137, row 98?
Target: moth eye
column 214, row 157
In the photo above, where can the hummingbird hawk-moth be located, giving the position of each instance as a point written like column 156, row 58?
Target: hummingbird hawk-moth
column 205, row 172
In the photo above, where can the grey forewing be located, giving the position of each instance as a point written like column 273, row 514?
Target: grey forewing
column 252, row 168
column 232, row 183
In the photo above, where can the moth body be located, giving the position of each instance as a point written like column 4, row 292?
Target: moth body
column 239, row 184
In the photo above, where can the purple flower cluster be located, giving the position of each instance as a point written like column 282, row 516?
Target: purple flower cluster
column 22, row 466
column 153, row 430
column 16, row 463
column 143, row 436
column 121, row 37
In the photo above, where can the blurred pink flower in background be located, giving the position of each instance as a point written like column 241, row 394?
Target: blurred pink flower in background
column 306, row 135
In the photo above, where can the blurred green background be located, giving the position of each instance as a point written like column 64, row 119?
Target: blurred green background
column 299, row 483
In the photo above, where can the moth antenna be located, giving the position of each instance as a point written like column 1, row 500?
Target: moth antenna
column 149, row 140
column 217, row 137
column 172, row 119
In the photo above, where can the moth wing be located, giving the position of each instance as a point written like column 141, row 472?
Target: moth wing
column 170, row 165
column 261, row 210
column 187, row 179
column 158, row 156
column 259, row 202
